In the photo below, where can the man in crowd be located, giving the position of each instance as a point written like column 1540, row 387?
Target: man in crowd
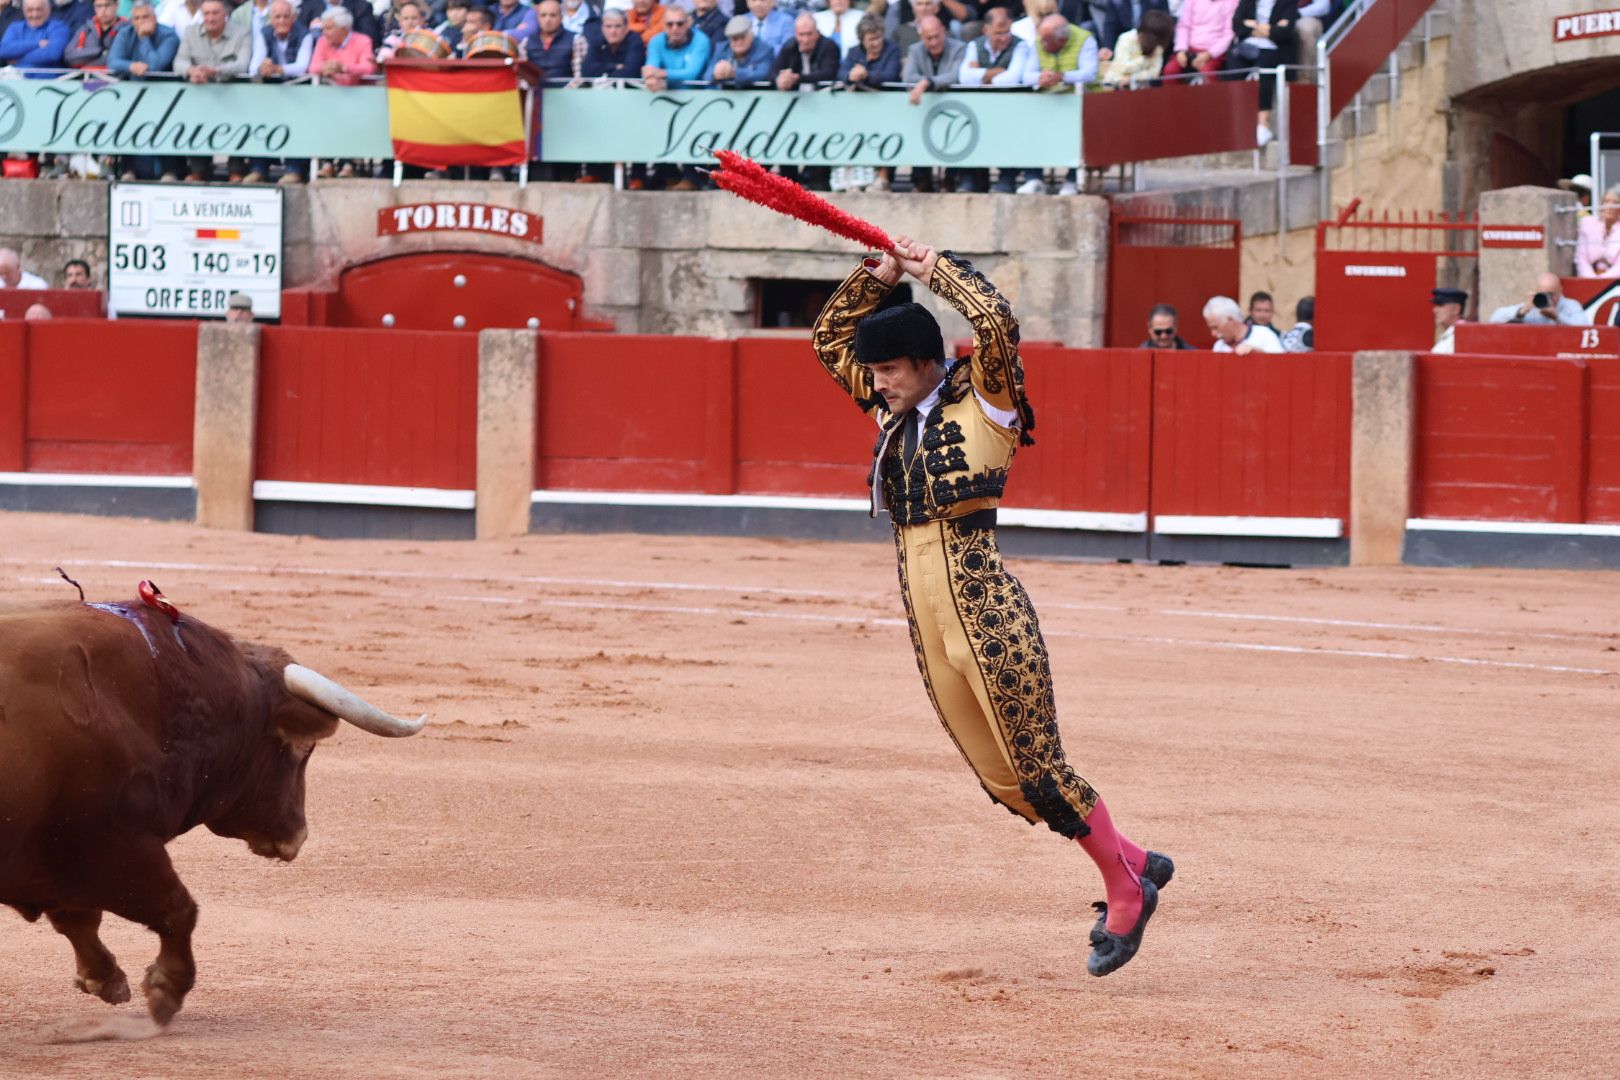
column 455, row 18
column 513, row 17
column 213, row 50
column 239, row 308
column 1301, row 337
column 808, row 58
column 36, row 40
column 1547, row 306
column 875, row 61
column 179, row 14
column 476, row 22
column 747, row 58
column 676, row 56
column 618, row 55
column 583, row 19
column 996, row 58
column 1066, row 57
column 253, row 16
column 902, row 22
column 1162, row 330
column 90, row 45
column 710, row 21
column 281, row 51
column 364, row 20
column 1262, row 309
column 933, row 63
column 10, row 12
column 1448, row 311
column 409, row 17
column 76, row 275
column 841, row 23
column 13, row 276
column 550, row 48
column 1225, row 321
column 147, row 48
column 773, row 27
column 646, row 19
column 341, row 55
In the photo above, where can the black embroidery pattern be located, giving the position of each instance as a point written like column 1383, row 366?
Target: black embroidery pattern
column 946, row 434
column 1006, row 640
column 834, row 333
column 981, row 485
column 995, row 333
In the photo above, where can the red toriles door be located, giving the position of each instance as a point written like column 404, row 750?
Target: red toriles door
column 431, row 291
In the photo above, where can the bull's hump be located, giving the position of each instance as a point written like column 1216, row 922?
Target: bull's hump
column 130, row 614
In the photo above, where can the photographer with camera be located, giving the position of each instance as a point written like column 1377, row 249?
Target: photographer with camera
column 1547, row 306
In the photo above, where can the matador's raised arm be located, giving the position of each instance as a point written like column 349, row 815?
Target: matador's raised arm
column 834, row 335
column 997, row 371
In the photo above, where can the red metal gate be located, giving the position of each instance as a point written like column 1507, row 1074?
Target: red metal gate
column 1373, row 277
column 1169, row 258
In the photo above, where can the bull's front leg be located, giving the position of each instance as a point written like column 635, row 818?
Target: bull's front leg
column 161, row 904
column 99, row 973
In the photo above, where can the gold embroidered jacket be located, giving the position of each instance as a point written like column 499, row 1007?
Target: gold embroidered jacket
column 963, row 455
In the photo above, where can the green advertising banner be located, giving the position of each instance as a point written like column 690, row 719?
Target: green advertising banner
column 1009, row 129
column 174, row 117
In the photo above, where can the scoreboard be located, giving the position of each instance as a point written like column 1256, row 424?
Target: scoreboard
column 182, row 249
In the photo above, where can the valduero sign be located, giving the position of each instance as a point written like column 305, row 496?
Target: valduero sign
column 173, row 117
column 459, row 217
column 1006, row 129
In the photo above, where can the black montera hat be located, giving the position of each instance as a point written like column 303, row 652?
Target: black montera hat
column 904, row 330
column 1448, row 296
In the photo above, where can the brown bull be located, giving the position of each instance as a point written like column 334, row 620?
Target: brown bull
column 123, row 726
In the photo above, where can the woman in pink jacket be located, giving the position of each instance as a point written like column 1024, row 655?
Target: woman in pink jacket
column 1203, row 36
column 1597, row 254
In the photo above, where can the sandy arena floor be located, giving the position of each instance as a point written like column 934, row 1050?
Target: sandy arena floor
column 683, row 810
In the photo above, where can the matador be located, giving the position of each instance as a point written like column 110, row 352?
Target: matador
column 946, row 438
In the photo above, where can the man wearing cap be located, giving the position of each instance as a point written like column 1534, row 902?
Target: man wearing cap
column 946, row 439
column 748, row 60
column 239, row 308
column 1448, row 310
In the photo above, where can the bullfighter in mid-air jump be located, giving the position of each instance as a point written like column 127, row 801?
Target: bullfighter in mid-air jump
column 947, row 437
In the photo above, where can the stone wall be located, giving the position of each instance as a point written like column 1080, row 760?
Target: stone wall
column 663, row 262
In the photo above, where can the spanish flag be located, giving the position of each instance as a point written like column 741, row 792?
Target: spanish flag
column 442, row 114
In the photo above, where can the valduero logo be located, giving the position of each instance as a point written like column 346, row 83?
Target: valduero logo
column 11, row 113
column 950, row 131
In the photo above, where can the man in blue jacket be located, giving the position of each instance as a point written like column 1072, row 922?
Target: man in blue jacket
column 677, row 56
column 146, row 48
column 37, row 41
column 748, row 60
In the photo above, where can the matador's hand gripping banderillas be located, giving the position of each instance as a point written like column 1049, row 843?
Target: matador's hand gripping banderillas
column 750, row 180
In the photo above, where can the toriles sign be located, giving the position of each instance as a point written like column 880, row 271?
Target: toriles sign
column 1587, row 25
column 245, row 119
column 458, row 216
column 967, row 129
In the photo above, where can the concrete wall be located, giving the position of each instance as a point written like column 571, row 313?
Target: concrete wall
column 666, row 262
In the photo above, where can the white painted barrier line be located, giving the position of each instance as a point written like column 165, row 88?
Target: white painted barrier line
column 1217, row 525
column 41, row 479
column 363, row 495
column 1518, row 528
column 767, row 590
column 879, row 620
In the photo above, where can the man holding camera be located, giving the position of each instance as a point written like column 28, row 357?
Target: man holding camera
column 1547, row 306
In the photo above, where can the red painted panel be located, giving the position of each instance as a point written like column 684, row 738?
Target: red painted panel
column 1253, row 436
column 1365, row 49
column 1302, row 148
column 1093, row 427
column 347, row 406
column 1183, row 277
column 798, row 433
column 1603, row 447
column 629, row 412
column 1138, row 125
column 64, row 303
column 111, row 397
column 1562, row 342
column 1395, row 285
column 1599, row 296
column 13, row 395
column 1500, row 439
column 421, row 293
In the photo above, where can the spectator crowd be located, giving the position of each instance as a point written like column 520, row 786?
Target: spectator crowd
column 915, row 47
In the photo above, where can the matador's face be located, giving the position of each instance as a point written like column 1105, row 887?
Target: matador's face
column 904, row 382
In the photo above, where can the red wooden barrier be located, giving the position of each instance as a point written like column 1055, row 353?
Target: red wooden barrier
column 13, row 395
column 1367, row 46
column 1142, row 125
column 797, row 432
column 1603, row 446
column 1394, row 284
column 348, row 406
column 64, row 303
column 635, row 412
column 1561, row 342
column 102, row 402
column 1093, row 426
column 1500, row 439
column 1254, row 436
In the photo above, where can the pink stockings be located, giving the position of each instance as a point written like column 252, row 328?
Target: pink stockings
column 1121, row 863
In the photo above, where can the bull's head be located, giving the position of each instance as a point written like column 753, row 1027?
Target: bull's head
column 304, row 708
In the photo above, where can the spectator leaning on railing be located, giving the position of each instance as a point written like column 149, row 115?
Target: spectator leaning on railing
column 710, row 21
column 364, row 22
column 550, row 48
column 1225, row 321
column 808, row 58
column 746, row 59
column 875, row 61
column 1139, row 54
column 618, row 55
column 933, row 63
column 1203, row 36
column 147, row 48
column 1113, row 19
column 996, row 58
column 676, row 56
column 91, row 44
column 213, row 50
column 342, row 55
column 282, row 49
column 36, row 40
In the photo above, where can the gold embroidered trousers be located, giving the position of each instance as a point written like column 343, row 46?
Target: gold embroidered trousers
column 984, row 663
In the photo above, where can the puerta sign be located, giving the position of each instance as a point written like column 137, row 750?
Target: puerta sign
column 173, row 117
column 969, row 129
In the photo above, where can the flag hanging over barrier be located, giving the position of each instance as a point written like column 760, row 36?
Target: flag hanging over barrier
column 441, row 115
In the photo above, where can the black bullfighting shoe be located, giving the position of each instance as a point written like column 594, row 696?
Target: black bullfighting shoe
column 1159, row 870
column 1110, row 952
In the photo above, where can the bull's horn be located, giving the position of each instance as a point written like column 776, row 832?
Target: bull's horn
column 323, row 693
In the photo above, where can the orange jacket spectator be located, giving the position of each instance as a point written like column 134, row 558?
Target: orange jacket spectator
column 646, row 19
